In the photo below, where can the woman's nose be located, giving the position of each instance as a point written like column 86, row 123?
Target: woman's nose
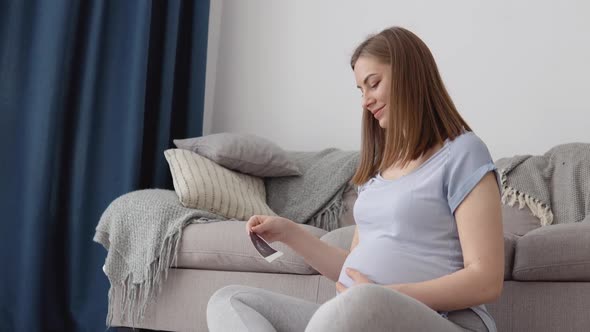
column 367, row 101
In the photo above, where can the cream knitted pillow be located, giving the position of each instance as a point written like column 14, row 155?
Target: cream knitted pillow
column 202, row 184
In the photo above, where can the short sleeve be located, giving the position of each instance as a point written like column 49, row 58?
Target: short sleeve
column 469, row 161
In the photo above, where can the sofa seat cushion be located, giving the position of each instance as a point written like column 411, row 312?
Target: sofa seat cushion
column 226, row 246
column 554, row 253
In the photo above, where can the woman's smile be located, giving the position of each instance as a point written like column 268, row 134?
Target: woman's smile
column 379, row 112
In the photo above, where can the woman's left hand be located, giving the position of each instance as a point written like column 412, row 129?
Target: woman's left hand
column 356, row 276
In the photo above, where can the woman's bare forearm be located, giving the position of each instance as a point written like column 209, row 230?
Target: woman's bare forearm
column 324, row 258
column 462, row 289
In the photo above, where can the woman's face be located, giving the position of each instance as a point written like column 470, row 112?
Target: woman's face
column 373, row 79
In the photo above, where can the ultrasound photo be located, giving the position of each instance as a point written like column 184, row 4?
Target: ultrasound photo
column 265, row 250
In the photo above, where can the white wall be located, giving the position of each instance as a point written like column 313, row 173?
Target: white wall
column 519, row 71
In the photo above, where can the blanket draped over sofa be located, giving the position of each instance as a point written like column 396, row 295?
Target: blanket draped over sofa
column 555, row 186
column 142, row 229
column 303, row 198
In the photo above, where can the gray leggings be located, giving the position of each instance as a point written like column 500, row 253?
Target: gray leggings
column 361, row 308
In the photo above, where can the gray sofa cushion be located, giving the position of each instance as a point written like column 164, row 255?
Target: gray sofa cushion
column 225, row 246
column 554, row 253
column 509, row 248
column 341, row 237
column 246, row 153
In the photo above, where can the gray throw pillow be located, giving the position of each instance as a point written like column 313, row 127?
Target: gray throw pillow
column 246, row 153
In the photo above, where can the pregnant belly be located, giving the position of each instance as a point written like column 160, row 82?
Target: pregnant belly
column 384, row 263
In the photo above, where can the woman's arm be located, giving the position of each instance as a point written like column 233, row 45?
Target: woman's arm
column 326, row 259
column 479, row 222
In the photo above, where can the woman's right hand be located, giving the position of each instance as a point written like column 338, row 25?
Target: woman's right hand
column 271, row 228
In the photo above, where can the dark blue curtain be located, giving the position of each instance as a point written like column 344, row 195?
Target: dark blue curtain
column 91, row 94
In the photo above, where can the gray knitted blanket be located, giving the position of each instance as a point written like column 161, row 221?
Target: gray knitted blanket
column 315, row 197
column 554, row 186
column 141, row 231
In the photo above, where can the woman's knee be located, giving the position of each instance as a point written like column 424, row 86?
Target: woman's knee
column 363, row 290
column 368, row 294
column 341, row 313
column 221, row 298
column 228, row 291
column 357, row 306
column 220, row 312
column 225, row 294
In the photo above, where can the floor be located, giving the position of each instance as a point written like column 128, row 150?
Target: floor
column 128, row 329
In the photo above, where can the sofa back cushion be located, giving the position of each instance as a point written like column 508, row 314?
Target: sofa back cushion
column 518, row 221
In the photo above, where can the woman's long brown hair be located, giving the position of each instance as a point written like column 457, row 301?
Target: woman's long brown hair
column 421, row 112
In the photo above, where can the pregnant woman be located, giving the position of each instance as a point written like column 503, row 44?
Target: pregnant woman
column 427, row 251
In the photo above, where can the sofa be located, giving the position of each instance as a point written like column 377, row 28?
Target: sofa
column 546, row 287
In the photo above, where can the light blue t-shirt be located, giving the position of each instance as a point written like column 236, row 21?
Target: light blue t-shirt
column 407, row 229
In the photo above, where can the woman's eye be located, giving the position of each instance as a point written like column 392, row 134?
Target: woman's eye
column 375, row 85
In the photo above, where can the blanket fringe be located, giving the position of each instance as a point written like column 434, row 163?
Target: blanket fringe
column 511, row 196
column 135, row 297
column 329, row 217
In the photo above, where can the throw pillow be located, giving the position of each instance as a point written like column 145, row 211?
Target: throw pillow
column 246, row 153
column 202, row 184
